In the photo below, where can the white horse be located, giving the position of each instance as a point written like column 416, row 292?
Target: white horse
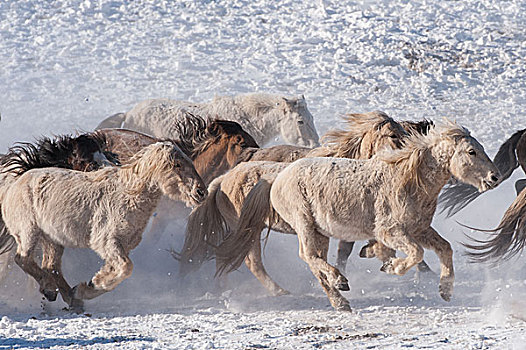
column 263, row 116
column 105, row 210
column 391, row 197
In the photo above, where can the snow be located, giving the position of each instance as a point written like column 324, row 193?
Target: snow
column 68, row 64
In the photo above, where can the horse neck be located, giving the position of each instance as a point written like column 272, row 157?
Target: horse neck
column 138, row 188
column 210, row 162
column 435, row 169
column 261, row 126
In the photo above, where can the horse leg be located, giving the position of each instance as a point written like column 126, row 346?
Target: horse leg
column 376, row 249
column 384, row 253
column 313, row 249
column 430, row 239
column 52, row 264
column 344, row 250
column 117, row 268
column 24, row 259
column 255, row 265
column 396, row 239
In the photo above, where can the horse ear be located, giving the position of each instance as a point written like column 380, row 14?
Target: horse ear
column 303, row 97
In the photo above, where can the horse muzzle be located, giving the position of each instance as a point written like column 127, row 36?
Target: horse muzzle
column 490, row 182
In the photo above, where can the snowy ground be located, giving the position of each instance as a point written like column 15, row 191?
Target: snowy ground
column 68, row 64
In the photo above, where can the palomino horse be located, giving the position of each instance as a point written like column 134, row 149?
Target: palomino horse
column 391, row 197
column 105, row 210
column 208, row 223
column 511, row 154
column 264, row 116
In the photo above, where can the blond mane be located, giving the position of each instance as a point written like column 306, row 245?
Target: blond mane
column 348, row 143
column 407, row 161
column 155, row 161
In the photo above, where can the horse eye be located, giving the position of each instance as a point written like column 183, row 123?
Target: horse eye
column 301, row 122
column 177, row 164
column 472, row 152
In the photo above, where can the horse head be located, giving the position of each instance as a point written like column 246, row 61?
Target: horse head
column 470, row 163
column 174, row 173
column 221, row 149
column 296, row 123
column 86, row 153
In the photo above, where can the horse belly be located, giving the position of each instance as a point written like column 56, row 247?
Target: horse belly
column 346, row 231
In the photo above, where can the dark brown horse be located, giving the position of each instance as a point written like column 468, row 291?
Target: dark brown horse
column 511, row 154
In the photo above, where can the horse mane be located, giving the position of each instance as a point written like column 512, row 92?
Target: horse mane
column 151, row 162
column 46, row 152
column 406, row 162
column 347, row 143
column 419, row 127
column 195, row 134
column 258, row 102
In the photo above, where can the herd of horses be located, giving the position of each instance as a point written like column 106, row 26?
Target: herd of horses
column 378, row 179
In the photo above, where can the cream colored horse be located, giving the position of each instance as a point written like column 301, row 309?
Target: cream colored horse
column 209, row 223
column 263, row 116
column 105, row 210
column 391, row 197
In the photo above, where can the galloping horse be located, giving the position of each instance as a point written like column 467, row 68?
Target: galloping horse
column 391, row 197
column 105, row 210
column 264, row 116
column 209, row 223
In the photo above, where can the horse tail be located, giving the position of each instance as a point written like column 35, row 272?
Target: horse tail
column 255, row 212
column 456, row 197
column 112, row 122
column 509, row 238
column 205, row 230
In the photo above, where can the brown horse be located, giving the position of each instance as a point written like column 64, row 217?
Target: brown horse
column 208, row 224
column 511, row 154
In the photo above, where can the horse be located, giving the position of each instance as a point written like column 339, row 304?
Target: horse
column 214, row 146
column 510, row 155
column 391, row 197
column 83, row 153
column 105, row 210
column 264, row 116
column 212, row 220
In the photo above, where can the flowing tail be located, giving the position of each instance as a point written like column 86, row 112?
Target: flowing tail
column 456, row 197
column 205, row 230
column 112, row 122
column 509, row 238
column 255, row 213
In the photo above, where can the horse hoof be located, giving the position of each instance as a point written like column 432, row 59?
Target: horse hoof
column 50, row 295
column 344, row 286
column 76, row 306
column 366, row 253
column 344, row 307
column 387, row 267
column 281, row 292
column 445, row 292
